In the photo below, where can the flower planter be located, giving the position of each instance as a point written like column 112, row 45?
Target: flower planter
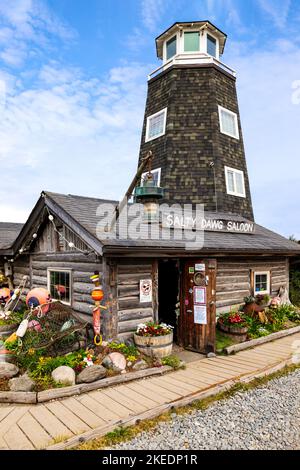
column 238, row 335
column 154, row 346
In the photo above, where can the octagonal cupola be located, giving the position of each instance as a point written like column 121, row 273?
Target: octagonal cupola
column 190, row 42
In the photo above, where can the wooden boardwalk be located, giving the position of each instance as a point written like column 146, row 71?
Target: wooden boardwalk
column 66, row 422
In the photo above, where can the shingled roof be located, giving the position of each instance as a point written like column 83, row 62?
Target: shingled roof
column 8, row 234
column 83, row 211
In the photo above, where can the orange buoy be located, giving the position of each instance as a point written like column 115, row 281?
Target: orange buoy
column 97, row 295
column 38, row 296
column 4, row 295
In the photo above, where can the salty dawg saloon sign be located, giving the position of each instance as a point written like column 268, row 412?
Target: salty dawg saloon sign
column 207, row 224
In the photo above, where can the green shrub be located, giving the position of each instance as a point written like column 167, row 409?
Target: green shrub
column 128, row 351
column 295, row 286
column 172, row 361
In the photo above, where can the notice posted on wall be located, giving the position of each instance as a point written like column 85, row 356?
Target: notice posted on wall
column 200, row 314
column 200, row 267
column 145, row 290
column 199, row 295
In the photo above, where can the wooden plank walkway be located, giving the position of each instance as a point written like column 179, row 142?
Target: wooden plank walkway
column 60, row 424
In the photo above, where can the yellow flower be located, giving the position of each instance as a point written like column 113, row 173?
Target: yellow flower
column 30, row 351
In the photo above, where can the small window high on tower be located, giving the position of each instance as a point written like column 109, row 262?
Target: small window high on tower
column 211, row 46
column 191, row 41
column 171, row 46
column 156, row 125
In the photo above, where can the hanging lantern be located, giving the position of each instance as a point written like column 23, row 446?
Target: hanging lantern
column 97, row 294
column 149, row 194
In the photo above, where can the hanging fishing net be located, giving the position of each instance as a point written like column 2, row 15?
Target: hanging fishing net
column 55, row 329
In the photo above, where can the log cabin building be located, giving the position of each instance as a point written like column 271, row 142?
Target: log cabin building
column 192, row 126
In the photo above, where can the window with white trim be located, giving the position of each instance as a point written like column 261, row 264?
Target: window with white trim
column 262, row 282
column 171, row 47
column 191, row 41
column 156, row 125
column 235, row 183
column 59, row 284
column 211, row 46
column 228, row 123
column 156, row 176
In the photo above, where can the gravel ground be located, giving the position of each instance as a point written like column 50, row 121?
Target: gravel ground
column 267, row 417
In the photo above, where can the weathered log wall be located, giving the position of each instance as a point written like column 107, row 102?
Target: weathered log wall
column 130, row 311
column 21, row 268
column 234, row 278
column 82, row 267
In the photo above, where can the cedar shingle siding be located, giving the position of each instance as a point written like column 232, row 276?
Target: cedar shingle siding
column 193, row 138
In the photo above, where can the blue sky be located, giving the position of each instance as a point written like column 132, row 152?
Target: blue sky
column 73, row 82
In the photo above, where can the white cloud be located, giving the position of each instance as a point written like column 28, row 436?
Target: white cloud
column 70, row 135
column 152, row 11
column 25, row 25
column 271, row 127
column 277, row 10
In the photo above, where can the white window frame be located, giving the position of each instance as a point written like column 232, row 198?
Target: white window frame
column 49, row 270
column 261, row 273
column 237, row 134
column 235, row 171
column 156, row 170
column 182, row 51
column 147, row 138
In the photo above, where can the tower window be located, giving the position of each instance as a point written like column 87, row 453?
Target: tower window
column 211, row 46
column 191, row 42
column 156, row 125
column 156, row 176
column 235, row 183
column 171, row 47
column 228, row 123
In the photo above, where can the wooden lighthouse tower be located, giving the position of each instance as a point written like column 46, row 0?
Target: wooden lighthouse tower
column 192, row 122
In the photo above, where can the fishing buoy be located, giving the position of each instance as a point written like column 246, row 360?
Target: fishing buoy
column 97, row 294
column 67, row 325
column 22, row 328
column 38, row 296
column 34, row 325
column 4, row 295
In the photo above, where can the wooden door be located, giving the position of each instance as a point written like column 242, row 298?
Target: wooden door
column 197, row 321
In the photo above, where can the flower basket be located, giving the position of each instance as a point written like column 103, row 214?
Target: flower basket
column 154, row 346
column 233, row 330
column 234, row 326
column 154, row 339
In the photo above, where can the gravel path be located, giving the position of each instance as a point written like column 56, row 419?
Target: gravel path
column 267, row 417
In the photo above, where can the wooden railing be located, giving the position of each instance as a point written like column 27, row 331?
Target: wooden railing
column 202, row 58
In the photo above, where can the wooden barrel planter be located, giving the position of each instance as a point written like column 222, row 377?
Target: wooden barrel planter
column 154, row 346
column 238, row 335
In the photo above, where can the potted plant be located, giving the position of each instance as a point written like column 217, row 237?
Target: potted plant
column 154, row 339
column 234, row 324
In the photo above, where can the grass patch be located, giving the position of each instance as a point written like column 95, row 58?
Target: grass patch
column 123, row 434
column 222, row 341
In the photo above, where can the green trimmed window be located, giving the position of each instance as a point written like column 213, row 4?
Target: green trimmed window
column 191, row 42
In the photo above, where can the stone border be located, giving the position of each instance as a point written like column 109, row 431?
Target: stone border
column 54, row 393
column 157, row 411
column 264, row 339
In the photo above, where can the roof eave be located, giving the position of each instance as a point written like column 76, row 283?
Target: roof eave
column 160, row 38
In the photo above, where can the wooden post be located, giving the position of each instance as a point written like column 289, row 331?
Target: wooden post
column 155, row 303
column 110, row 316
